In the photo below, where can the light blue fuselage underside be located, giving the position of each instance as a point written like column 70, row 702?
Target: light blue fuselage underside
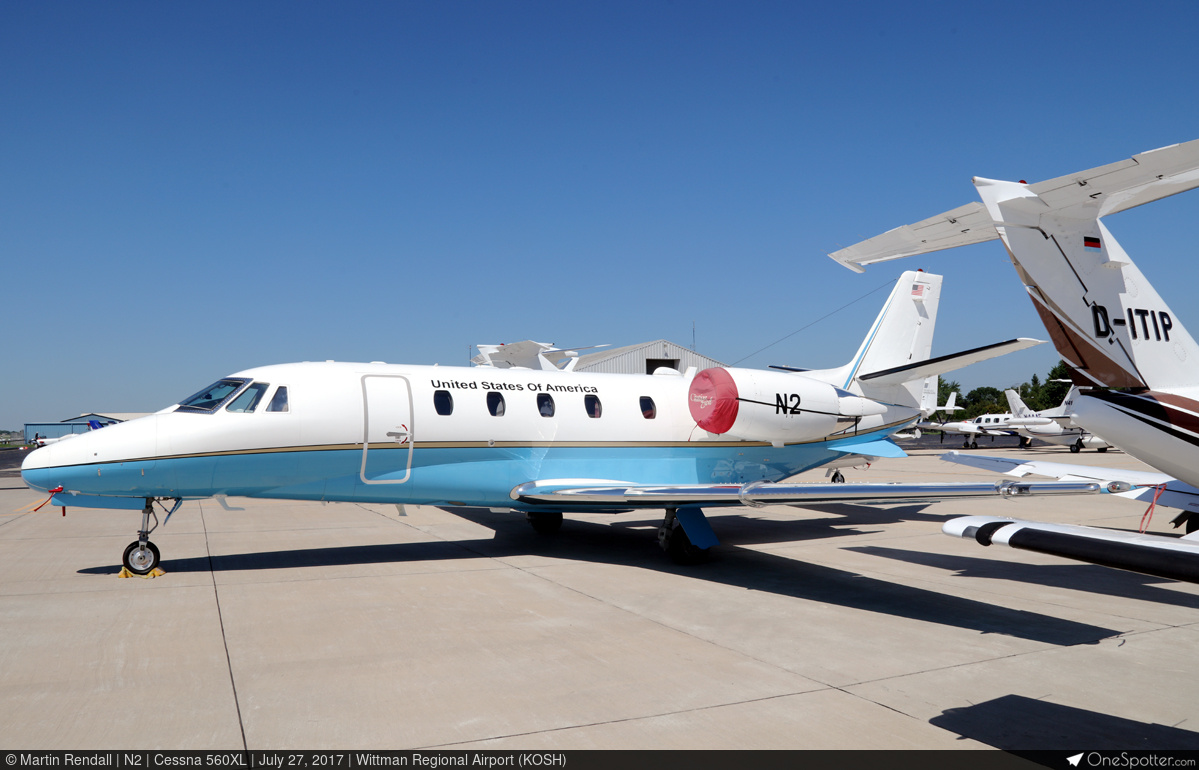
column 482, row 476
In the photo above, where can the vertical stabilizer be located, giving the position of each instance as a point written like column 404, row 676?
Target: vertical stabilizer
column 902, row 334
column 928, row 396
column 1015, row 404
column 1106, row 320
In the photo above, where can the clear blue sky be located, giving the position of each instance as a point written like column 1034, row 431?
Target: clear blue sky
column 189, row 189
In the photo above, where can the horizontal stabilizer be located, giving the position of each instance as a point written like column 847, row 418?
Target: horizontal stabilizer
column 949, row 363
column 1166, row 557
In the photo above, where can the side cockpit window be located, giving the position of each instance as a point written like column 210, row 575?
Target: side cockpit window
column 279, row 400
column 248, row 400
column 648, row 410
column 213, row 397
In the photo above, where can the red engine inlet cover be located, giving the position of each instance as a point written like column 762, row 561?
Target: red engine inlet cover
column 713, row 400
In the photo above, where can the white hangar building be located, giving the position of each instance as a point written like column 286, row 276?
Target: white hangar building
column 644, row 358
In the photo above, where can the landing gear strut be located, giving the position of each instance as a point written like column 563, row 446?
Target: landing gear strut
column 141, row 556
column 673, row 539
column 545, row 522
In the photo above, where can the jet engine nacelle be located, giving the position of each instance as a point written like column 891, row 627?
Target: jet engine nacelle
column 756, row 405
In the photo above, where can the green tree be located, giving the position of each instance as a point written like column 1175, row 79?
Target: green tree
column 983, row 400
column 1055, row 392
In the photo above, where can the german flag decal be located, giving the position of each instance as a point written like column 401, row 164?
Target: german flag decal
column 1091, row 243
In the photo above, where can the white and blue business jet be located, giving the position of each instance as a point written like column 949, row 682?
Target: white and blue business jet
column 542, row 442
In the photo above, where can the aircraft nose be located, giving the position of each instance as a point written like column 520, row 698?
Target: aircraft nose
column 34, row 468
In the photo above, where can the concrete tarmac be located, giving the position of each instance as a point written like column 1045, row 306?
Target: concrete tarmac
column 285, row 625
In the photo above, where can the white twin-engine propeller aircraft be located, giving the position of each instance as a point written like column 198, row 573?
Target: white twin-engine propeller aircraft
column 1054, row 426
column 1109, row 323
column 539, row 441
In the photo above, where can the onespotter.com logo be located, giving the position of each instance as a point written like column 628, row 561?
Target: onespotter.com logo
column 1126, row 760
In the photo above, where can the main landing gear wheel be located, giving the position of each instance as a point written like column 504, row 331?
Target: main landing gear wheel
column 838, row 478
column 673, row 539
column 974, row 445
column 681, row 550
column 139, row 559
column 1076, row 447
column 1101, row 449
column 545, row 522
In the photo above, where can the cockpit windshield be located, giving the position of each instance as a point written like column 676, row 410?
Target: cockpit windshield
column 249, row 398
column 210, row 399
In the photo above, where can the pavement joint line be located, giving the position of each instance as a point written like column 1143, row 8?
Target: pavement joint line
column 899, row 711
column 963, row 664
column 241, row 725
column 14, row 517
column 810, row 676
column 669, row 627
column 638, row 718
column 355, row 577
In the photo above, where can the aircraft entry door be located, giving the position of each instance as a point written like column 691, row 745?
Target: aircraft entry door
column 387, row 429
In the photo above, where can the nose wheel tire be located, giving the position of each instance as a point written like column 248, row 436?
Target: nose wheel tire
column 140, row 560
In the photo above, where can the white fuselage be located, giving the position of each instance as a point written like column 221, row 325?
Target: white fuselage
column 380, row 432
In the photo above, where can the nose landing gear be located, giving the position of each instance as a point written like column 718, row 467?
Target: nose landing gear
column 141, row 557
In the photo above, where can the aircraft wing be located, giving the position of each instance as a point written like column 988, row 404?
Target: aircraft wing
column 960, row 227
column 608, row 495
column 1175, row 558
column 1141, row 179
column 1032, row 422
column 1144, row 484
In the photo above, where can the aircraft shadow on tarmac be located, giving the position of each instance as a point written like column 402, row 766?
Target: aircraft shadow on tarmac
column 1018, row 724
column 1075, row 577
column 633, row 544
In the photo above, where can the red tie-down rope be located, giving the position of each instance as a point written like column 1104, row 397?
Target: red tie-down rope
column 1148, row 515
column 53, row 492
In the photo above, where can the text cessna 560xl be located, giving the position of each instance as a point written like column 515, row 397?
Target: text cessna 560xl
column 534, row 441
